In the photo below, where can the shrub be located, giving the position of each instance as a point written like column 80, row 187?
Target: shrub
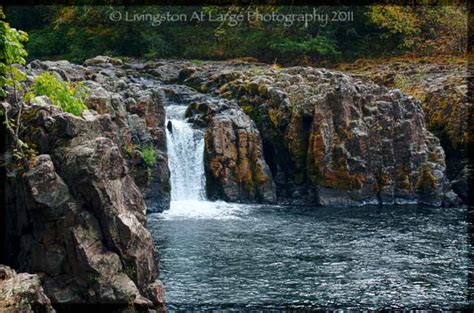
column 12, row 52
column 197, row 62
column 46, row 43
column 149, row 156
column 62, row 94
column 402, row 82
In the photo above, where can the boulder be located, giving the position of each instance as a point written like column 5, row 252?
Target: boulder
column 127, row 110
column 22, row 292
column 92, row 223
column 462, row 183
column 101, row 59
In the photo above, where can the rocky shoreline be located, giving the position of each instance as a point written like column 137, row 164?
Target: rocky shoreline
column 442, row 88
column 328, row 139
column 76, row 217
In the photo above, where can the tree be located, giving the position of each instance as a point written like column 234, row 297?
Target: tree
column 12, row 52
column 424, row 29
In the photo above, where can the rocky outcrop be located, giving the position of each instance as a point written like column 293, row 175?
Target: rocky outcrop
column 234, row 163
column 331, row 139
column 462, row 184
column 77, row 213
column 79, row 220
column 235, row 166
column 440, row 85
column 442, row 88
column 22, row 292
column 136, row 115
column 102, row 59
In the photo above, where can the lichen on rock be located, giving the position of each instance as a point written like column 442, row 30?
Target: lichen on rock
column 331, row 139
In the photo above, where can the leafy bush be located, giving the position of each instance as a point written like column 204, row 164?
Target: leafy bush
column 319, row 45
column 424, row 29
column 62, row 94
column 45, row 43
column 149, row 156
column 11, row 52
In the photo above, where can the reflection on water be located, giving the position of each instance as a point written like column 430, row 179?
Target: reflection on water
column 219, row 255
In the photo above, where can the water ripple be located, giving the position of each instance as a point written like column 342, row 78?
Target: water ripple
column 227, row 256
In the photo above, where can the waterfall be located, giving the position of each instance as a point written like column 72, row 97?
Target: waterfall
column 186, row 162
column 185, row 153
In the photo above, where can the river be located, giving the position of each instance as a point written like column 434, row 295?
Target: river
column 217, row 255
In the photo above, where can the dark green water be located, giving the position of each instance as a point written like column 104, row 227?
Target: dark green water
column 225, row 256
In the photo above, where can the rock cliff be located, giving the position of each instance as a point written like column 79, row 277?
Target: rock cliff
column 442, row 88
column 131, row 113
column 77, row 215
column 234, row 162
column 331, row 139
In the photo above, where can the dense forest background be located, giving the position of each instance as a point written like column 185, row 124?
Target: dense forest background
column 80, row 32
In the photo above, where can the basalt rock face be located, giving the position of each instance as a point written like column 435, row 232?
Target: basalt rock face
column 78, row 218
column 77, row 214
column 442, row 87
column 331, row 139
column 235, row 166
column 234, row 163
column 132, row 109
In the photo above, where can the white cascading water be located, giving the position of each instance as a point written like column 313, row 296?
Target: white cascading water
column 185, row 153
column 186, row 162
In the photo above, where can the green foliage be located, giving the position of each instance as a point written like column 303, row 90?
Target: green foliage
column 80, row 32
column 11, row 51
column 319, row 45
column 45, row 43
column 423, row 29
column 398, row 20
column 197, row 62
column 149, row 156
column 62, row 94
